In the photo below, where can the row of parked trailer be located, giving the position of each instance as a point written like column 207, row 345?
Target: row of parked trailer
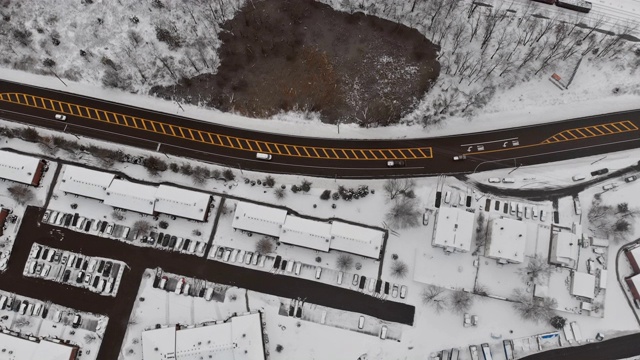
column 99, row 275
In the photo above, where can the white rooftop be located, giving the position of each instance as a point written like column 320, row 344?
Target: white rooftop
column 17, row 167
column 635, row 253
column 507, row 240
column 240, row 338
column 356, row 239
column 85, row 182
column 583, row 285
column 454, row 229
column 131, row 196
column 635, row 280
column 22, row 349
column 564, row 248
column 312, row 234
column 181, row 202
column 260, row 219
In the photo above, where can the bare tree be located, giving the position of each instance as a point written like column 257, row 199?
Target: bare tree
column 345, row 262
column 200, row 175
column 403, row 214
column 460, row 301
column 280, row 193
column 537, row 270
column 399, row 269
column 432, row 295
column 142, row 227
column 21, row 194
column 264, row 246
column 396, row 187
column 533, row 309
column 594, row 23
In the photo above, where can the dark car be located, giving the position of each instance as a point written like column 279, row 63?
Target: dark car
column 87, row 226
column 103, row 226
column 363, row 281
column 220, row 252
column 186, row 244
column 76, row 216
column 599, row 172
column 160, row 237
column 630, row 178
column 65, row 276
column 67, row 220
column 45, row 312
column 172, row 242
column 80, row 277
column 96, row 280
column 165, row 240
column 45, row 253
column 395, row 163
column 283, row 265
column 386, row 288
column 78, row 262
column 276, row 263
column 378, row 285
column 100, row 266
column 85, row 264
column 107, row 269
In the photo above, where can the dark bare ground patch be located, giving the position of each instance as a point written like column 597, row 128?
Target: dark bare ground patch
column 281, row 55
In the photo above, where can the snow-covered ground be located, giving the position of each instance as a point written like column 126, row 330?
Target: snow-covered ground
column 88, row 336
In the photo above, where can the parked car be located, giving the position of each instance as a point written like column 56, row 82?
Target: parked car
column 173, row 241
column 46, row 215
column 599, row 172
column 77, row 321
column 403, row 291
column 318, row 272
column 361, row 322
column 255, row 258
column 109, row 229
column 494, row 180
column 179, row 286
column 394, row 291
column 227, row 254
column 356, row 277
column 163, row 282
column 66, row 275
column 247, row 257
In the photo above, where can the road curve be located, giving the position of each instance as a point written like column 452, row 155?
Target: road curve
column 344, row 158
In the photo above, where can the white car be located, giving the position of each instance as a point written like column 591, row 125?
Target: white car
column 403, row 291
column 459, row 157
column 60, row 117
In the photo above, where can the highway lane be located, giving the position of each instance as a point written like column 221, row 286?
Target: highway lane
column 235, row 147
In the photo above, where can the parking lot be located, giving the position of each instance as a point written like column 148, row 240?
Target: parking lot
column 139, row 258
column 97, row 274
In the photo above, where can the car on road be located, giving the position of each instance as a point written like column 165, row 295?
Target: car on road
column 630, row 178
column 494, row 180
column 263, row 156
column 60, row 117
column 459, row 157
column 395, row 163
column 599, row 172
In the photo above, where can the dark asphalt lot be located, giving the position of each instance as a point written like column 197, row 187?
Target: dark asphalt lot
column 138, row 258
column 496, row 153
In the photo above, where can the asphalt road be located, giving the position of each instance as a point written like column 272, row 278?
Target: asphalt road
column 235, row 147
column 139, row 258
column 617, row 348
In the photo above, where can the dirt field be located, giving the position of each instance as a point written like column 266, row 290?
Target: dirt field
column 300, row 54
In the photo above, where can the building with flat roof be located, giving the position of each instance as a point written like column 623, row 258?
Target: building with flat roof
column 312, row 234
column 238, row 338
column 583, row 285
column 564, row 249
column 265, row 220
column 355, row 239
column 506, row 240
column 453, row 229
column 15, row 346
column 131, row 196
column 21, row 168
column 85, row 182
column 176, row 201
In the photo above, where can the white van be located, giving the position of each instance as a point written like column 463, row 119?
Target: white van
column 578, row 177
column 494, row 180
column 298, row 268
column 361, row 322
column 447, row 197
column 290, row 266
column 383, row 332
column 263, row 156
column 607, row 187
column 461, row 199
column 508, row 180
column 318, row 272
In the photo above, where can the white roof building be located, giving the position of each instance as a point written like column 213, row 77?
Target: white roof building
column 506, row 240
column 20, row 168
column 564, row 249
column 85, row 182
column 583, row 285
column 131, row 196
column 239, row 338
column 312, row 234
column 17, row 348
column 260, row 219
column 453, row 229
column 181, row 202
column 356, row 239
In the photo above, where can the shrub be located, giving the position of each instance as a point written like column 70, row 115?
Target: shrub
column 270, row 181
column 345, row 262
column 295, row 188
column 264, row 246
column 142, row 227
column 325, row 195
column 403, row 214
column 154, row 165
column 29, row 134
column 318, row 259
column 200, row 175
column 185, row 169
column 174, row 167
column 558, row 322
column 163, row 224
column 335, row 196
column 279, row 348
column 280, row 193
column 306, row 185
column 228, row 175
column 399, row 269
column 21, row 194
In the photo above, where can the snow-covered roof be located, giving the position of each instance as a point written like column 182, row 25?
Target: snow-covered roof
column 239, row 338
column 507, row 240
column 85, row 182
column 18, row 168
column 583, row 285
column 131, row 196
column 357, row 240
column 260, row 219
column 159, row 344
column 564, row 249
column 635, row 253
column 181, row 202
column 635, row 281
column 312, row 234
column 454, row 229
column 16, row 348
